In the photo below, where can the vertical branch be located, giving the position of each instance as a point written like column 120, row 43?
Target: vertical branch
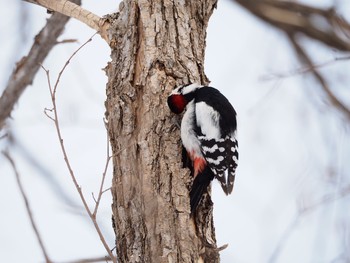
column 102, row 179
column 29, row 210
column 55, row 119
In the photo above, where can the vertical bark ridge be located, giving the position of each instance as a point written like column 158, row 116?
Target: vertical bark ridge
column 155, row 46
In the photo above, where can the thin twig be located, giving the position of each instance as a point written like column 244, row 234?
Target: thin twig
column 47, row 115
column 93, row 197
column 307, row 60
column 221, row 248
column 327, row 199
column 100, row 193
column 91, row 260
column 292, row 225
column 303, row 70
column 65, row 41
column 65, row 155
column 29, row 210
column 3, row 136
column 68, row 61
column 283, row 239
column 106, row 190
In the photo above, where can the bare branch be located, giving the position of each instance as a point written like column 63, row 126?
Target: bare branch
column 67, row 41
column 92, row 260
column 303, row 70
column 27, row 67
column 101, row 191
column 305, row 210
column 70, row 9
column 65, row 155
column 221, row 248
column 307, row 60
column 29, row 210
column 344, row 192
column 106, row 190
column 284, row 238
column 294, row 17
column 47, row 114
column 3, row 136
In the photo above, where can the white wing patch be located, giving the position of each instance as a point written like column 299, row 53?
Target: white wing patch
column 208, row 120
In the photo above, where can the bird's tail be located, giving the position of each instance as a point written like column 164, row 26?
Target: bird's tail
column 199, row 186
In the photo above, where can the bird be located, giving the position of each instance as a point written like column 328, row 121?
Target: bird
column 208, row 135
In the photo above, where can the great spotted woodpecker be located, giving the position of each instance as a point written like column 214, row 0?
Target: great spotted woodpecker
column 208, row 134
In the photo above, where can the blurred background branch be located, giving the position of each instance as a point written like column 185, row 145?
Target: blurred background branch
column 309, row 63
column 27, row 206
column 26, row 69
column 295, row 19
column 70, row 9
column 323, row 25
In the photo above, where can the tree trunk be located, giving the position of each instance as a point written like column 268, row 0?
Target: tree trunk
column 156, row 45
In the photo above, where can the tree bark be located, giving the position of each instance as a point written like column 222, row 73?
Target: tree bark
column 156, row 45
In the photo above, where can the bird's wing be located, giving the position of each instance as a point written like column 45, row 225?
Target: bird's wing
column 221, row 153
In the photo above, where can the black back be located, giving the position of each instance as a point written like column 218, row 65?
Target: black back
column 215, row 99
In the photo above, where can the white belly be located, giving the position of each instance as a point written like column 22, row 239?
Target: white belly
column 188, row 135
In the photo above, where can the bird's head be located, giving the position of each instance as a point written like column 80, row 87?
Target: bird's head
column 181, row 96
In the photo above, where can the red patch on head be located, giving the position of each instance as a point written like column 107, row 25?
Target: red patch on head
column 177, row 103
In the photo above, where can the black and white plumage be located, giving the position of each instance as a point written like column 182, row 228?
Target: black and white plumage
column 208, row 133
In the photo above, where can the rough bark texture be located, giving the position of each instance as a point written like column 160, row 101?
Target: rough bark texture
column 155, row 46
